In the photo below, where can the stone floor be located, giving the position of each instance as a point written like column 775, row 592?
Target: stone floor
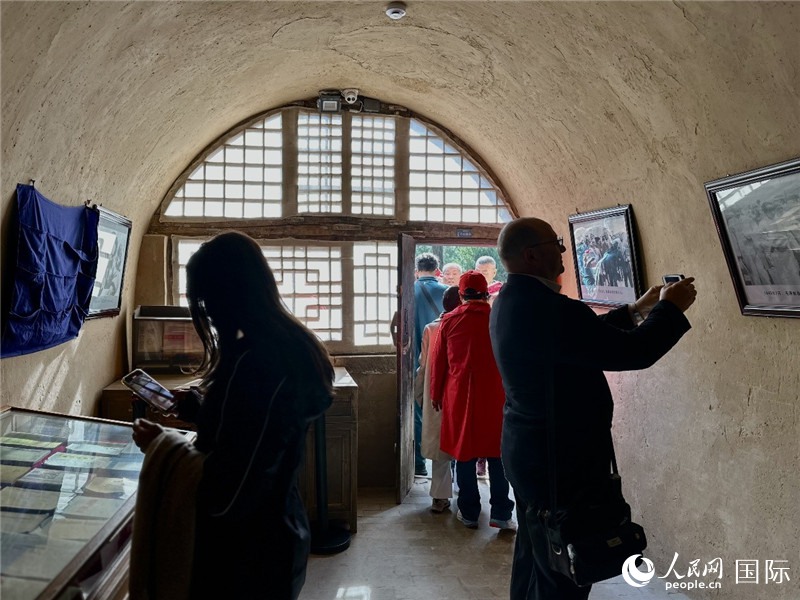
column 405, row 552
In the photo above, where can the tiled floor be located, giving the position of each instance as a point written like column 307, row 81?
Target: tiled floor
column 405, row 552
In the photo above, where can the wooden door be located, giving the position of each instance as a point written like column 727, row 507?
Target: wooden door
column 404, row 446
column 485, row 236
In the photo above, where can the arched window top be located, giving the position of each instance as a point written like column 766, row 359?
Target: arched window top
column 325, row 195
column 297, row 161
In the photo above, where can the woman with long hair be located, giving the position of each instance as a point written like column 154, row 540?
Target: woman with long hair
column 265, row 378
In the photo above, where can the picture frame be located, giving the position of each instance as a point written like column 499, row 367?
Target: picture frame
column 113, row 238
column 605, row 255
column 757, row 217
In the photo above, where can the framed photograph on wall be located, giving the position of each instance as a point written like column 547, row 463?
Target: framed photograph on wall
column 605, row 253
column 113, row 237
column 757, row 215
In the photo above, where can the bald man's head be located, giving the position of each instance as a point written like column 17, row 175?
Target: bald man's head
column 529, row 245
column 520, row 234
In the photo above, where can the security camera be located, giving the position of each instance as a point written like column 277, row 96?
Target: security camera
column 350, row 95
column 396, row 10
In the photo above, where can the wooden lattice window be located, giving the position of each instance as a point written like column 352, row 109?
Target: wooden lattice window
column 357, row 179
column 241, row 179
column 309, row 280
column 374, row 284
column 312, row 279
column 445, row 185
column 373, row 151
column 319, row 163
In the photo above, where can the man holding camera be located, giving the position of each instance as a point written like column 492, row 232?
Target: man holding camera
column 535, row 334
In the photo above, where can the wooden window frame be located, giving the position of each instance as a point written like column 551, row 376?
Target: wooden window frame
column 343, row 228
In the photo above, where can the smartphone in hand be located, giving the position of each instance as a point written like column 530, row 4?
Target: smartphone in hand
column 149, row 390
column 672, row 278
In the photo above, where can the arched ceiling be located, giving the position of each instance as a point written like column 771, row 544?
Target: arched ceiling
column 573, row 106
column 116, row 99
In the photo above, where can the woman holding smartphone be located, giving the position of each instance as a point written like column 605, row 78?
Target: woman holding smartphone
column 265, row 378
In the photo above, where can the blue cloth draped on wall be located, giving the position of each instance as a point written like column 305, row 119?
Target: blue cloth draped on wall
column 56, row 263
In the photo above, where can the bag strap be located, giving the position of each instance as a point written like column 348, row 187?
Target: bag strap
column 429, row 298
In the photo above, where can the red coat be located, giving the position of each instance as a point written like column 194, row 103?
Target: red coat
column 465, row 378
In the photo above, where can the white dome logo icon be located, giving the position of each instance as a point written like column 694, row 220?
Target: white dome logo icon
column 633, row 576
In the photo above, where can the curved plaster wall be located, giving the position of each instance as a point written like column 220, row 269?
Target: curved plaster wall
column 574, row 106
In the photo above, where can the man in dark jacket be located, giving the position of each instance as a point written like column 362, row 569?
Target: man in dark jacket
column 538, row 338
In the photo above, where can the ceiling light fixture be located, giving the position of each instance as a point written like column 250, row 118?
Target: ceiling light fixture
column 396, row 10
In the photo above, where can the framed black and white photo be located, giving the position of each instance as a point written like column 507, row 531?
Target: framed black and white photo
column 605, row 256
column 757, row 215
column 113, row 237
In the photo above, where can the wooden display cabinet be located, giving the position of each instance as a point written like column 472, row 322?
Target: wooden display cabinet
column 341, row 436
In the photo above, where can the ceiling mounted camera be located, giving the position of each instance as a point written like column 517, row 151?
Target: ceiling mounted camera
column 350, row 95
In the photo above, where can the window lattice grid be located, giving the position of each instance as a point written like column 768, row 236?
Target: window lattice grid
column 446, row 186
column 319, row 163
column 185, row 250
column 310, row 282
column 374, row 285
column 372, row 149
column 243, row 178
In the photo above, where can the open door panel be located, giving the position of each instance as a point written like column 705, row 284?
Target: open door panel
column 404, row 447
column 406, row 361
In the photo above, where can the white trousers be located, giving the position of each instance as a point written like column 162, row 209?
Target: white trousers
column 441, row 479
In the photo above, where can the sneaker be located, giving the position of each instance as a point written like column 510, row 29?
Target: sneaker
column 423, row 472
column 439, row 505
column 500, row 524
column 480, row 467
column 467, row 523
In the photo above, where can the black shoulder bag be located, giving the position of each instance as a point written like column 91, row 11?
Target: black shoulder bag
column 590, row 538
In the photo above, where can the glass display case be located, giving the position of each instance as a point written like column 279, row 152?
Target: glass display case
column 66, row 503
column 164, row 340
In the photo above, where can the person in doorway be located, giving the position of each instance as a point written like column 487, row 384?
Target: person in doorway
column 428, row 294
column 266, row 377
column 466, row 387
column 441, row 474
column 534, row 331
column 451, row 273
column 487, row 267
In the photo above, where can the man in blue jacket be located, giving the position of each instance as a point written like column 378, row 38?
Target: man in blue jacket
column 539, row 338
column 428, row 294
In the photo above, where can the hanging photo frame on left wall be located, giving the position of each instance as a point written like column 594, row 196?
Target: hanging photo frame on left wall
column 113, row 238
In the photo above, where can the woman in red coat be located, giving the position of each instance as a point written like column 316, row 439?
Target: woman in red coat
column 466, row 386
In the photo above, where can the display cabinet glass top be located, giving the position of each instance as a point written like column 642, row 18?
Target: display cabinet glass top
column 67, row 483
